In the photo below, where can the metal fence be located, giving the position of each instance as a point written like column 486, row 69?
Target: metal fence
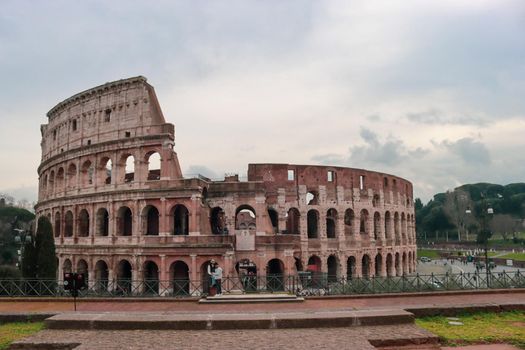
column 305, row 284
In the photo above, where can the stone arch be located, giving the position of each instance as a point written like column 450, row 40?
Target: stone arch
column 218, row 221
column 72, row 176
column 102, row 221
column 275, row 275
column 314, row 263
column 151, row 278
column 366, row 266
column 404, row 263
column 83, row 223
column 150, row 219
column 245, row 218
column 375, row 201
column 332, row 263
column 58, row 224
column 60, row 180
column 52, row 181
column 128, row 161
column 87, row 172
column 378, row 264
column 312, row 198
column 104, row 171
column 388, row 231
column 124, row 221
column 349, row 222
column 377, row 225
column 67, row 266
column 399, row 270
column 396, row 228
column 389, row 265
column 68, row 224
column 403, row 228
column 331, row 223
column 154, row 162
column 82, row 267
column 180, row 217
column 312, row 223
column 101, row 276
column 293, row 221
column 351, row 267
column 45, row 183
column 124, row 277
column 274, row 219
column 363, row 222
column 180, row 277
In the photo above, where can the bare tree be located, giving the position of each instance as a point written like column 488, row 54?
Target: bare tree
column 456, row 204
column 504, row 224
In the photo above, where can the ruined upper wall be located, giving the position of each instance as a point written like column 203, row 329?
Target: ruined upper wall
column 276, row 176
column 121, row 109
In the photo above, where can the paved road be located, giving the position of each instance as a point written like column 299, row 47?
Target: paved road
column 439, row 266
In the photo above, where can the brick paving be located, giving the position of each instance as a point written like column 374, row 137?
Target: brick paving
column 293, row 339
column 173, row 305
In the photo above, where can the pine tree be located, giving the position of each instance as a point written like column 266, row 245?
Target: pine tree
column 45, row 246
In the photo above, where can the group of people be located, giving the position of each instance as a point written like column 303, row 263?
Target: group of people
column 215, row 273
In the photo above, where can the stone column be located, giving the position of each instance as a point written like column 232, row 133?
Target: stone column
column 194, row 278
column 164, row 280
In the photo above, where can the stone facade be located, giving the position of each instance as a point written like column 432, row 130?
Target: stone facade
column 111, row 184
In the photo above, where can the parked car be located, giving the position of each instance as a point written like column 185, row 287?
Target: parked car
column 425, row 259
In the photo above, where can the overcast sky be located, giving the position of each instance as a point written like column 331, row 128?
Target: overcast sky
column 432, row 91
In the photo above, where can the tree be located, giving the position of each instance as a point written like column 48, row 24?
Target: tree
column 29, row 260
column 45, row 246
column 504, row 224
column 455, row 206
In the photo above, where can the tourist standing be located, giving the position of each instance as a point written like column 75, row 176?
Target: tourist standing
column 218, row 278
column 211, row 272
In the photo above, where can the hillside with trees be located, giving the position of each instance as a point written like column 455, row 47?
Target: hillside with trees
column 456, row 215
column 12, row 218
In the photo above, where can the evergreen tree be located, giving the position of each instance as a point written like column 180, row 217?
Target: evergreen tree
column 29, row 260
column 45, row 246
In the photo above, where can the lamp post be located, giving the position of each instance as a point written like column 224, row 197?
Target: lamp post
column 484, row 233
column 22, row 237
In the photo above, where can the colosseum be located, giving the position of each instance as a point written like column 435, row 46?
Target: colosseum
column 111, row 184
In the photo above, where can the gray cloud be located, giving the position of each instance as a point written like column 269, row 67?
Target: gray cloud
column 435, row 116
column 469, row 150
column 201, row 170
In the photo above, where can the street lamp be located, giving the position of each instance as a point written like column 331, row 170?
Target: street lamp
column 22, row 237
column 484, row 235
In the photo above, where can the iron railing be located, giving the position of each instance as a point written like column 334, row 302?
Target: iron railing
column 305, row 284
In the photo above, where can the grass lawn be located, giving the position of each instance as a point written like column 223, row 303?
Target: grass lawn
column 514, row 256
column 10, row 332
column 479, row 328
column 432, row 254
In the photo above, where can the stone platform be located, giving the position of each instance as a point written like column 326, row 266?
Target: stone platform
column 221, row 321
column 250, row 298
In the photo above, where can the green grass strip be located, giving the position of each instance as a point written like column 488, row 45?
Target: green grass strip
column 11, row 332
column 479, row 328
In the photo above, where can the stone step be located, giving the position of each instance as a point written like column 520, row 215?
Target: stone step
column 203, row 321
column 251, row 298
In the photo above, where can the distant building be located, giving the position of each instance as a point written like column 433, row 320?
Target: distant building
column 118, row 217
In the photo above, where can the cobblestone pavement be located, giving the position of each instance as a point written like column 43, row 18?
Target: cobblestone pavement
column 293, row 339
column 172, row 305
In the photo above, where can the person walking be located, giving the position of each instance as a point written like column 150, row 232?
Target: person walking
column 218, row 278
